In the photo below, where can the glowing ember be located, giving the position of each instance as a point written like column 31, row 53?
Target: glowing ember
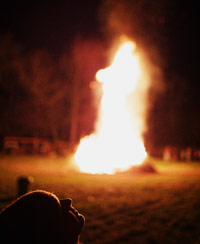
column 116, row 145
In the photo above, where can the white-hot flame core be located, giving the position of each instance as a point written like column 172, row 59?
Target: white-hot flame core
column 117, row 143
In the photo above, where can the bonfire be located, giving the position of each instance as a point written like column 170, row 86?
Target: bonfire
column 117, row 144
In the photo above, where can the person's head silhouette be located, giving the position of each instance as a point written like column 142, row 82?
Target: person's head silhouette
column 40, row 217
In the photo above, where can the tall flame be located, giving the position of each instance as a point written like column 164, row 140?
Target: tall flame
column 116, row 145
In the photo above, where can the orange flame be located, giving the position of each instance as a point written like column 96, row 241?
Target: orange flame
column 117, row 144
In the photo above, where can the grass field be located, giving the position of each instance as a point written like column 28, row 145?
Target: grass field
column 119, row 209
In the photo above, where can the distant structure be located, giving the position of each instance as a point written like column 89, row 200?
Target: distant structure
column 31, row 145
column 184, row 154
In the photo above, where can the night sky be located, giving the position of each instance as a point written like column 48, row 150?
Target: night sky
column 50, row 25
column 166, row 30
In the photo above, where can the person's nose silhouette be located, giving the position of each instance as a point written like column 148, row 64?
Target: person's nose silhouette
column 66, row 203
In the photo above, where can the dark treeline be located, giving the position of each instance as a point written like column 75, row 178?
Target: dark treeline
column 48, row 97
column 58, row 99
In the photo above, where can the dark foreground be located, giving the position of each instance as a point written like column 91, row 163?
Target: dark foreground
column 127, row 208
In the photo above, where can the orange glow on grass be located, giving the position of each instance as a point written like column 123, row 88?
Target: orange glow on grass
column 117, row 144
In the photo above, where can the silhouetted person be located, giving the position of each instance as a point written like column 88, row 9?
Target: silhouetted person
column 23, row 185
column 40, row 217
